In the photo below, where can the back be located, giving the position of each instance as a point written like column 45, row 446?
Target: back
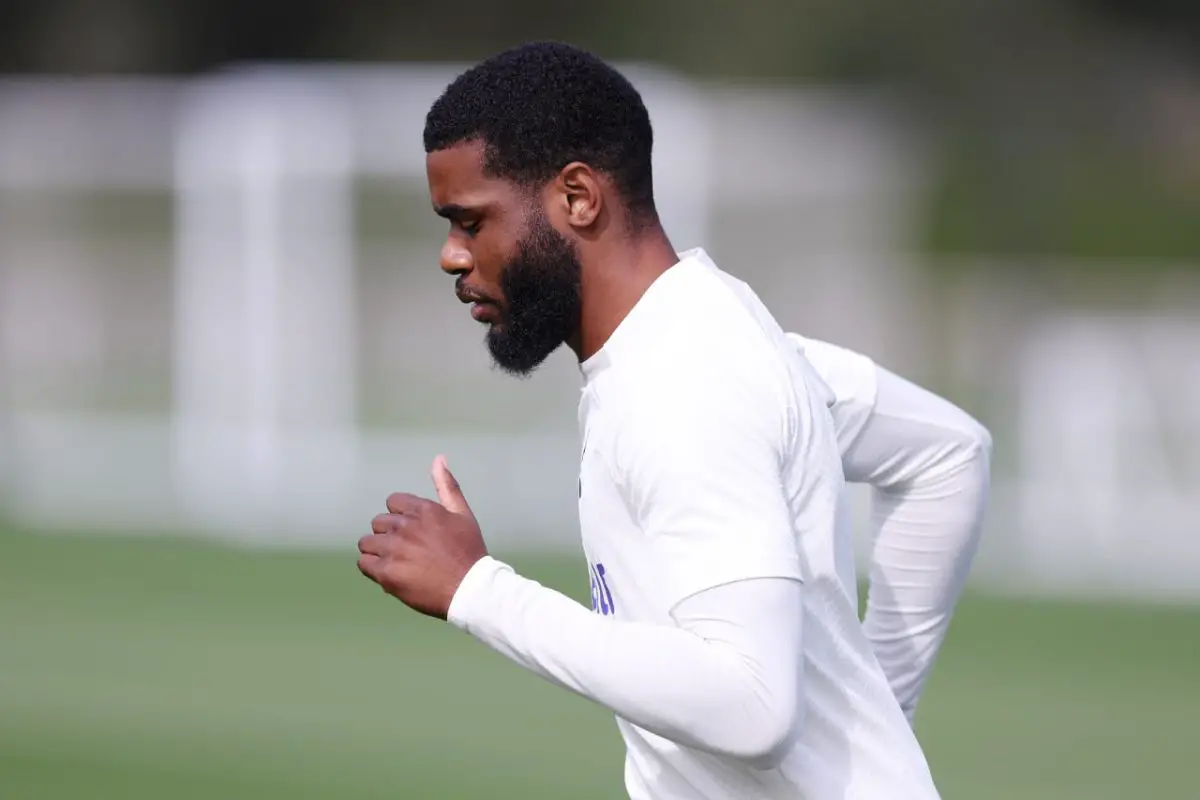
column 696, row 335
column 855, row 742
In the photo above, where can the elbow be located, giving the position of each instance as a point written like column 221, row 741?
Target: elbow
column 771, row 737
column 979, row 442
column 969, row 453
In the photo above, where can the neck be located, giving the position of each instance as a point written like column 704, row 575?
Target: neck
column 613, row 281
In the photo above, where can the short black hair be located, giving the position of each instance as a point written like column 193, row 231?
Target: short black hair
column 539, row 106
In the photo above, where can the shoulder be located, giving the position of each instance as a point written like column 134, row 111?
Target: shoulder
column 700, row 401
column 711, row 366
column 710, row 388
column 714, row 331
column 851, row 377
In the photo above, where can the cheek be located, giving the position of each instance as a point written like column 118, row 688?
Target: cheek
column 490, row 259
column 487, row 272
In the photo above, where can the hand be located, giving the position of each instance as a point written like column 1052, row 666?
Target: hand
column 421, row 550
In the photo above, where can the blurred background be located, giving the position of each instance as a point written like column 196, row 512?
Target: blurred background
column 224, row 340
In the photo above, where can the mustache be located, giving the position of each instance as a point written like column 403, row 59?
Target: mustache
column 466, row 294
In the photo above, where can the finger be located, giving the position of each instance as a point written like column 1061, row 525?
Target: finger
column 370, row 566
column 388, row 523
column 375, row 544
column 407, row 504
column 449, row 492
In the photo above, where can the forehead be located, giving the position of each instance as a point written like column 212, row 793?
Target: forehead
column 457, row 178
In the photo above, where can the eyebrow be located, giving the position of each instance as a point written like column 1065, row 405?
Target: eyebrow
column 452, row 211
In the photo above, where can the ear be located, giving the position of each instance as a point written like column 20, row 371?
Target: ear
column 582, row 193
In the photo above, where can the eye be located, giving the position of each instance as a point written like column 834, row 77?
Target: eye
column 470, row 227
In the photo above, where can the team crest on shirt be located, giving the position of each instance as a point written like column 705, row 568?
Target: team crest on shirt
column 602, row 599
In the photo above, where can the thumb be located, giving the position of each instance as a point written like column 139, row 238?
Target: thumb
column 448, row 491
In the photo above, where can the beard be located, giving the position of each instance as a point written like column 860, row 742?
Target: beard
column 542, row 300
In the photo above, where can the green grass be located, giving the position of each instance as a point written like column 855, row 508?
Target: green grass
column 171, row 669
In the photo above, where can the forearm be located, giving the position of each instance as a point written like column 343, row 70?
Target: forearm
column 702, row 687
column 926, row 537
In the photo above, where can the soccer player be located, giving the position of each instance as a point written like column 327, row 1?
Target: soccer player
column 725, row 635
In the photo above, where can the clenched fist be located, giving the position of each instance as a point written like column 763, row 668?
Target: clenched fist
column 421, row 550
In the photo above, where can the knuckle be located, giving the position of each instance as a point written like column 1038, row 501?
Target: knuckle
column 383, row 523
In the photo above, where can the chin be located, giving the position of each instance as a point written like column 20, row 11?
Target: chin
column 518, row 368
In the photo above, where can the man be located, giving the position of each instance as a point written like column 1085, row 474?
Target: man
column 727, row 640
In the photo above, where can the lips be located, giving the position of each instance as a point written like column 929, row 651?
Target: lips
column 483, row 312
column 482, row 309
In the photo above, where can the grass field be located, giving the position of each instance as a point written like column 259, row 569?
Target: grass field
column 172, row 669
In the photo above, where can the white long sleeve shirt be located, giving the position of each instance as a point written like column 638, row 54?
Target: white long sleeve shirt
column 722, row 633
column 928, row 465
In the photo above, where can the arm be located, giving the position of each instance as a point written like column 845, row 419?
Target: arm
column 722, row 681
column 928, row 464
column 698, row 461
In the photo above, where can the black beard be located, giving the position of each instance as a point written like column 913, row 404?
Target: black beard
column 542, row 300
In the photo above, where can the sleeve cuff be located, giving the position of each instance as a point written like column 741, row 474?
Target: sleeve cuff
column 473, row 590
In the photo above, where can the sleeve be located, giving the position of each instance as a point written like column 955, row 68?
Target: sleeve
column 700, row 463
column 850, row 376
column 723, row 679
column 928, row 464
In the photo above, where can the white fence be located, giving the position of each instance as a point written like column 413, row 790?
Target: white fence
column 220, row 313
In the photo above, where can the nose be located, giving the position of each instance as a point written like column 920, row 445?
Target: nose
column 455, row 259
